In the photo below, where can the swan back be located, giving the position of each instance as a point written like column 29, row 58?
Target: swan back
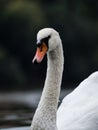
column 79, row 108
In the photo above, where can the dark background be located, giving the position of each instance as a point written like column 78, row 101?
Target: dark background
column 20, row 20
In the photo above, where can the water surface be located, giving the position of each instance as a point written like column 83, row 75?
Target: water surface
column 17, row 109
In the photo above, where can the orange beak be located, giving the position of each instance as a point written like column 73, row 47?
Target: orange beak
column 40, row 53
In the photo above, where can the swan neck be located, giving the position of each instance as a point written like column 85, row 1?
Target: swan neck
column 51, row 92
column 47, row 108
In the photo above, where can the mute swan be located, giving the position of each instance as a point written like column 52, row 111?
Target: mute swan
column 79, row 110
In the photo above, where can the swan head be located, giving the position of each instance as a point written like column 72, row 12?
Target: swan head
column 47, row 40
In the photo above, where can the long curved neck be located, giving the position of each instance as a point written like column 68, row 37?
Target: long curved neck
column 52, row 87
column 45, row 115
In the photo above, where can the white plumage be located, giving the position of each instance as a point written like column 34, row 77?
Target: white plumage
column 78, row 110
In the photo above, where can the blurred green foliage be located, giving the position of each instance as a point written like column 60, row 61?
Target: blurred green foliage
column 20, row 20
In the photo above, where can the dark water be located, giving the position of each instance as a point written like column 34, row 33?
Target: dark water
column 17, row 109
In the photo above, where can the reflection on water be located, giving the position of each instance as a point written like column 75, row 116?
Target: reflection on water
column 15, row 114
column 17, row 108
column 17, row 128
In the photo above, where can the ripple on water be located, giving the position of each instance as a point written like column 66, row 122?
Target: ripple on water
column 12, row 114
column 17, row 128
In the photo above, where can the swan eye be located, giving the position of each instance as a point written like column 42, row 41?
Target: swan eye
column 42, row 42
column 41, row 46
column 46, row 40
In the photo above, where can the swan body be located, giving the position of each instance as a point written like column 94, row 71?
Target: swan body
column 78, row 110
